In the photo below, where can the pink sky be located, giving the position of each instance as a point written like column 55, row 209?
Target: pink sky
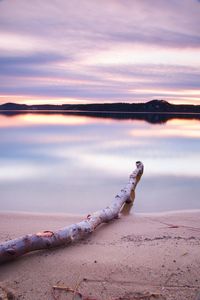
column 99, row 51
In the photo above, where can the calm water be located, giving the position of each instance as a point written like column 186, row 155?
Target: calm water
column 76, row 164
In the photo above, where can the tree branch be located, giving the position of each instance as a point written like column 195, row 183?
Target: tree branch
column 48, row 239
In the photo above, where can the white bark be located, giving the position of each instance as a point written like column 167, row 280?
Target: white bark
column 48, row 239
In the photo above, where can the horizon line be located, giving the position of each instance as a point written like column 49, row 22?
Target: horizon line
column 102, row 103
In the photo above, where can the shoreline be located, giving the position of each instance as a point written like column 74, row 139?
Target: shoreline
column 132, row 213
column 97, row 111
column 134, row 255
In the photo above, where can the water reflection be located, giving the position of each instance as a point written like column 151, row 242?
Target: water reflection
column 54, row 162
column 30, row 119
column 152, row 118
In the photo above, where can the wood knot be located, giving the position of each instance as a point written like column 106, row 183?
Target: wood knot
column 11, row 251
column 46, row 233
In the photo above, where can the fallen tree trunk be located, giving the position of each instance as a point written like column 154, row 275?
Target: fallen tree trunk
column 48, row 239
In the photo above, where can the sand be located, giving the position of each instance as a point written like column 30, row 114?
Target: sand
column 130, row 258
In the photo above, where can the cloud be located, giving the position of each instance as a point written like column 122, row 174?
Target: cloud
column 161, row 37
column 101, row 23
column 32, row 65
column 35, row 58
column 98, row 50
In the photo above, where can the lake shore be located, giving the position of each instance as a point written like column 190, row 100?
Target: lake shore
column 138, row 254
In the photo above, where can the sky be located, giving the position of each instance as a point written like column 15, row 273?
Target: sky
column 92, row 51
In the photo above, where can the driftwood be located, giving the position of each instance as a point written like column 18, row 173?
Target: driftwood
column 48, row 239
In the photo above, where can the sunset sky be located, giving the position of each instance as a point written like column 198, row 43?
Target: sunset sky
column 84, row 51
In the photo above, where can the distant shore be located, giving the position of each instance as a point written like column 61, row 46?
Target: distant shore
column 153, row 106
column 154, row 111
column 139, row 254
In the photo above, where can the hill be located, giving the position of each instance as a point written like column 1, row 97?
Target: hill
column 157, row 106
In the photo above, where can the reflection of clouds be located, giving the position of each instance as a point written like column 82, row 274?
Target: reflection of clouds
column 44, row 119
column 114, row 165
column 173, row 166
column 42, row 138
column 110, row 147
column 174, row 128
column 60, row 163
column 118, row 144
column 21, row 171
column 118, row 165
column 58, row 139
column 55, row 119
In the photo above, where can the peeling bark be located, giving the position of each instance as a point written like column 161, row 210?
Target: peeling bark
column 48, row 239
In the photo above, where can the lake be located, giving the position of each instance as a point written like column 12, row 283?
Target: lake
column 76, row 163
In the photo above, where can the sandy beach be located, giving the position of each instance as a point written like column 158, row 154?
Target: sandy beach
column 138, row 256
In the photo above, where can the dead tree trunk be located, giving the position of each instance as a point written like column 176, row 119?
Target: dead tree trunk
column 48, row 239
